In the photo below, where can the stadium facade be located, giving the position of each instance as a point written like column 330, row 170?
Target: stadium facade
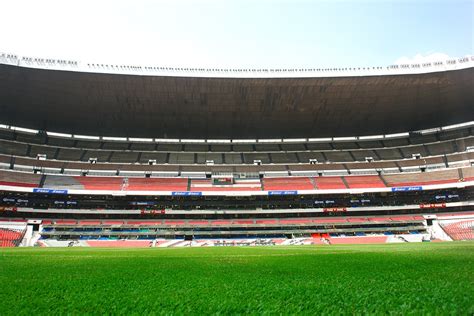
column 114, row 155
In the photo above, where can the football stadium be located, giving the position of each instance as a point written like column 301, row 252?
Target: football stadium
column 170, row 190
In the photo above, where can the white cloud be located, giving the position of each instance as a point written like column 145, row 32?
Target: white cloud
column 420, row 58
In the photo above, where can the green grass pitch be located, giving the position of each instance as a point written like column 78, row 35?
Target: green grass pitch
column 396, row 279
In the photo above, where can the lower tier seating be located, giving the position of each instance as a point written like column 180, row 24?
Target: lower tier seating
column 11, row 234
column 459, row 230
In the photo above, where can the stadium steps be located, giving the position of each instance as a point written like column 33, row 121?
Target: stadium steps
column 345, row 182
column 383, row 180
column 461, row 175
column 42, row 180
column 324, row 155
column 188, row 186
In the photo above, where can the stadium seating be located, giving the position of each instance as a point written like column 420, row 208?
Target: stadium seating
column 329, row 183
column 357, row 182
column 157, row 184
column 459, row 229
column 288, row 183
column 12, row 233
column 422, row 178
column 100, row 183
column 19, row 179
column 238, row 185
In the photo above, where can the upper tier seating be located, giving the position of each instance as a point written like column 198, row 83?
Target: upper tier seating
column 30, row 145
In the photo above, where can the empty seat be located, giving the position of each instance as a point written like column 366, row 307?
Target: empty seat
column 61, row 142
column 395, row 142
column 159, row 157
column 233, row 158
column 345, row 145
column 243, row 147
column 293, row 147
column 50, row 152
column 115, row 145
column 304, row 157
column 100, row 183
column 70, row 154
column 355, row 182
column 202, row 158
column 88, row 144
column 338, row 156
column 389, row 154
column 157, row 184
column 440, row 148
column 319, row 146
column 221, row 148
column 422, row 178
column 326, row 183
column 370, row 144
column 62, row 182
column 360, row 155
column 284, row 158
column 287, row 183
column 410, row 150
column 196, row 147
column 13, row 148
column 250, row 157
column 101, row 155
column 124, row 156
column 169, row 147
column 19, row 178
column 267, row 147
column 143, row 146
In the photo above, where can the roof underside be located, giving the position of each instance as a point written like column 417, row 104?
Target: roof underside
column 216, row 108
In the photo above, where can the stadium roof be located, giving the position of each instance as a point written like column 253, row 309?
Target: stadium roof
column 107, row 100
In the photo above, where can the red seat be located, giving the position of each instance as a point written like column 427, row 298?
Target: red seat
column 329, row 183
column 358, row 182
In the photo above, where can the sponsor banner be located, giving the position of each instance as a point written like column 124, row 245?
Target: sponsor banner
column 152, row 212
column 335, row 209
column 282, row 192
column 186, row 193
column 433, row 205
column 402, row 189
column 49, row 191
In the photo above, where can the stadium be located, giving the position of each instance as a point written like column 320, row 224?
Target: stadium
column 104, row 180
column 240, row 184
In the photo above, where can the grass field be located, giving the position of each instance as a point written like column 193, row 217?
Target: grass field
column 427, row 278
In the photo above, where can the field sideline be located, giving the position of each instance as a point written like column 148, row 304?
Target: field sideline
column 434, row 278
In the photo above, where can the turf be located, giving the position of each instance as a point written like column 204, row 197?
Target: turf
column 398, row 279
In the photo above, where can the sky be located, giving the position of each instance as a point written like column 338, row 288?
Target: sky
column 239, row 34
